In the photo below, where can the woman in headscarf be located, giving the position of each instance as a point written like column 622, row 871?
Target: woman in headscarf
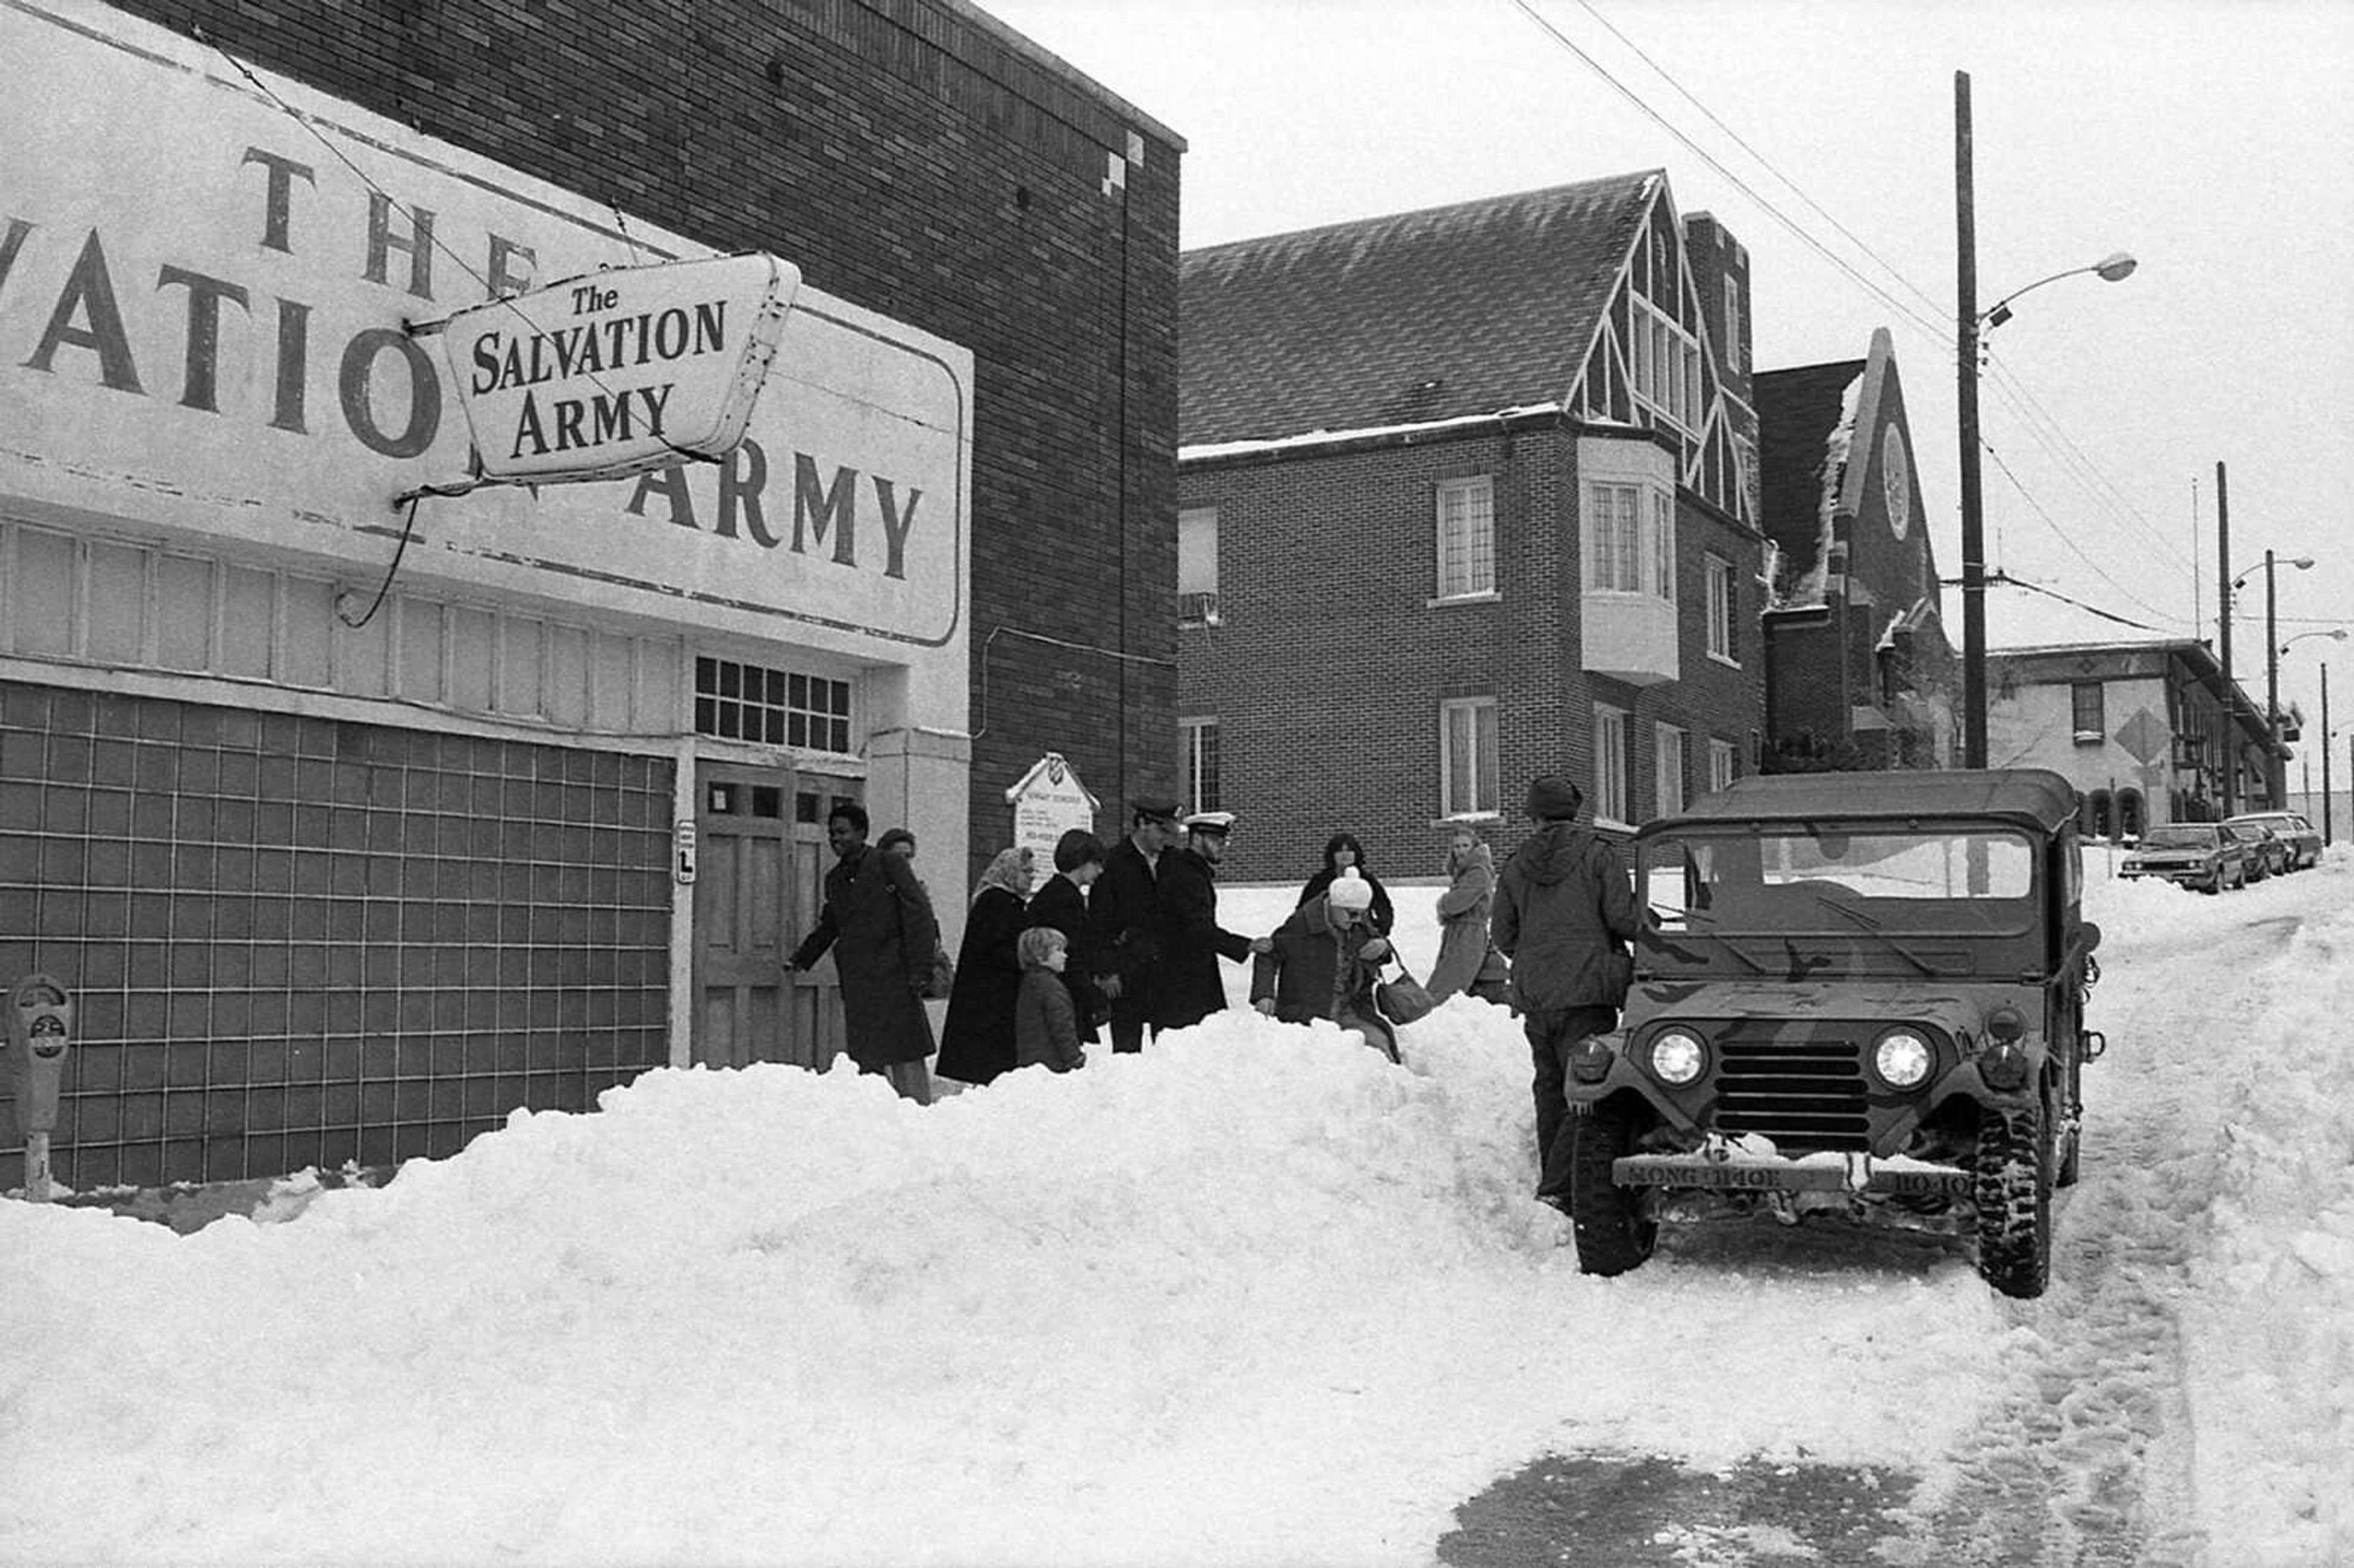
column 1342, row 851
column 977, row 1041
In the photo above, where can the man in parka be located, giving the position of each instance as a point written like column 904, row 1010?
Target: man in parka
column 880, row 924
column 1564, row 910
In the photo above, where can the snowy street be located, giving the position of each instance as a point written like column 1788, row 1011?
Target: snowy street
column 1256, row 1298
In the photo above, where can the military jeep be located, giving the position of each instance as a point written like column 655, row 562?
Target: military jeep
column 1856, row 994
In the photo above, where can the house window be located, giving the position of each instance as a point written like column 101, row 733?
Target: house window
column 1631, row 539
column 2090, row 725
column 1197, row 568
column 1609, row 764
column 1467, row 537
column 1724, row 763
column 1614, row 561
column 1662, row 540
column 1200, row 737
column 774, row 708
column 1732, row 327
column 1667, row 366
column 1668, row 768
column 1723, row 597
column 1466, row 758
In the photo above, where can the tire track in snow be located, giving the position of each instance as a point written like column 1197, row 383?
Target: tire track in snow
column 2087, row 1463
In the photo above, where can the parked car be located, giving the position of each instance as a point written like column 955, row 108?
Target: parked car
column 2299, row 842
column 1859, row 995
column 2209, row 856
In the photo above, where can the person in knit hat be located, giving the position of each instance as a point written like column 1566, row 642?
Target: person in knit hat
column 1565, row 910
column 1324, row 961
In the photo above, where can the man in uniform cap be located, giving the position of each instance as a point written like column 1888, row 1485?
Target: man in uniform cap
column 1126, row 904
column 1188, row 988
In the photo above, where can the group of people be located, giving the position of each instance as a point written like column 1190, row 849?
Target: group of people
column 1126, row 939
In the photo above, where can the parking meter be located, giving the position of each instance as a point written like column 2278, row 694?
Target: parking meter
column 40, row 1034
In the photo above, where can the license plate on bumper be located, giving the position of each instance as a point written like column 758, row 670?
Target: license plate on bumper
column 1858, row 1173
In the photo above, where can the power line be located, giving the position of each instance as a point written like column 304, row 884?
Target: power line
column 2038, row 421
column 1632, row 96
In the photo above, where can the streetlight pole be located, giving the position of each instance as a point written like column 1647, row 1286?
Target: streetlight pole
column 2231, row 757
column 1966, row 331
column 2325, row 756
column 2275, row 784
column 1969, row 325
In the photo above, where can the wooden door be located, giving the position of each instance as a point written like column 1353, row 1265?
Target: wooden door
column 744, row 907
column 813, row 1016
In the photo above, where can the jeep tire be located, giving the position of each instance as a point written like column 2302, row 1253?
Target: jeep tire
column 1612, row 1236
column 2013, row 1197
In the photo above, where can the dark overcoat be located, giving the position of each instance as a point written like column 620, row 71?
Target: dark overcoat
column 977, row 1040
column 1186, row 989
column 879, row 923
column 1126, row 902
column 1062, row 906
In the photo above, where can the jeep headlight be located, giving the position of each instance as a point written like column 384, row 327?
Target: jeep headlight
column 1902, row 1059
column 1677, row 1057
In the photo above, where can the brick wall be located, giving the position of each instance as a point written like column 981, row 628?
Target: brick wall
column 1328, row 670
column 910, row 155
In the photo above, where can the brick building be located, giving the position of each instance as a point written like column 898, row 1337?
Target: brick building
column 2143, row 730
column 356, row 827
column 1860, row 672
column 1465, row 497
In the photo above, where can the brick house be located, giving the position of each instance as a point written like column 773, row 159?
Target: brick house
column 1860, row 672
column 2143, row 730
column 353, row 833
column 1466, row 496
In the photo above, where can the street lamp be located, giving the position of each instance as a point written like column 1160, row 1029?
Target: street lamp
column 1969, row 327
column 2274, row 783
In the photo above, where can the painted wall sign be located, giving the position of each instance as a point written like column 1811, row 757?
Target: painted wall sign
column 620, row 371
column 1048, row 802
column 204, row 330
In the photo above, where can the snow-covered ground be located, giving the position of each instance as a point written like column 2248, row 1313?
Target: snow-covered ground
column 1254, row 1296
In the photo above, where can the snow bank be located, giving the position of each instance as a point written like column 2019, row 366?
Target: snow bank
column 2269, row 1323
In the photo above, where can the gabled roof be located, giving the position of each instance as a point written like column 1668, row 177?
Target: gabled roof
column 1417, row 316
column 1804, row 419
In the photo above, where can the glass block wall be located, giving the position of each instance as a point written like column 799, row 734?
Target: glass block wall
column 299, row 941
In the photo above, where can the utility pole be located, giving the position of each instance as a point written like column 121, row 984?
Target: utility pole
column 2275, row 775
column 1965, row 332
column 2325, row 756
column 2231, row 757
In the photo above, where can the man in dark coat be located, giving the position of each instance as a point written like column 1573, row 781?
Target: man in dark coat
column 1062, row 906
column 1565, row 910
column 1188, row 989
column 880, row 924
column 1127, row 905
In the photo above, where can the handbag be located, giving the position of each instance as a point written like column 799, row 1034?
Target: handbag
column 1403, row 999
column 941, row 978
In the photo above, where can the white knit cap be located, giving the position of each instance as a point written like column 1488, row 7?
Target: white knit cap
column 1351, row 891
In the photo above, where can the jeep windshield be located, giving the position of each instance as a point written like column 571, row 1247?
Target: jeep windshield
column 1899, row 893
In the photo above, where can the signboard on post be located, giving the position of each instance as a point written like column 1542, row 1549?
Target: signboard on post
column 1048, row 802
column 619, row 371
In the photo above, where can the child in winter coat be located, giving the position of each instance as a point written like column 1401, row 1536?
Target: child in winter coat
column 1045, row 1025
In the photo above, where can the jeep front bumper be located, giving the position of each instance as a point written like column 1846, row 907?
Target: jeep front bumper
column 1731, row 1170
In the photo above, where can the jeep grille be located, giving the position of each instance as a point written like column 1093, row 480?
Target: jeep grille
column 1806, row 1094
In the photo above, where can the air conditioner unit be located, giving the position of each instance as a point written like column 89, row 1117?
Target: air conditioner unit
column 1197, row 609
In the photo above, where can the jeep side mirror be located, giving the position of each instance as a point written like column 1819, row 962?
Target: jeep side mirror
column 2088, row 934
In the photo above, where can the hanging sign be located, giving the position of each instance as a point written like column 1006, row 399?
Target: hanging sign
column 619, row 371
